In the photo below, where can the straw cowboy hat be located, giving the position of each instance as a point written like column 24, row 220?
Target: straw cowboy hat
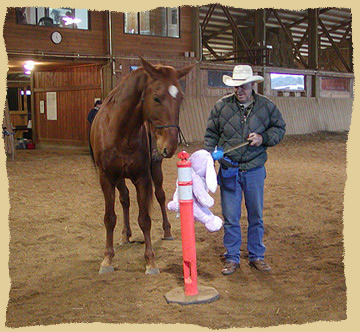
column 242, row 74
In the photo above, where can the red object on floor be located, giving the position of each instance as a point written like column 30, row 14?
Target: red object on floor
column 187, row 224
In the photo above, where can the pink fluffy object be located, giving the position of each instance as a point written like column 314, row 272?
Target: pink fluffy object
column 204, row 180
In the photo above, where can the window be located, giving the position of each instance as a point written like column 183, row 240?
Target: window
column 291, row 82
column 335, row 84
column 12, row 96
column 57, row 17
column 162, row 22
column 16, row 98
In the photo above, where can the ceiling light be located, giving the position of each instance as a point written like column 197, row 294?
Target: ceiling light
column 29, row 65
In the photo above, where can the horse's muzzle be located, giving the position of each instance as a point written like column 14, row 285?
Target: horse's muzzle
column 166, row 141
column 166, row 153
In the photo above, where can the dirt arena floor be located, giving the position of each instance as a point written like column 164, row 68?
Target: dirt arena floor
column 58, row 237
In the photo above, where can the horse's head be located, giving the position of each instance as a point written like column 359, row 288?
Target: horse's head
column 161, row 103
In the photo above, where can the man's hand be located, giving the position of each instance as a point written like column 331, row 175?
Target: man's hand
column 255, row 139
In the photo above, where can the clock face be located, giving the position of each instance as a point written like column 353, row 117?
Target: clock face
column 56, row 37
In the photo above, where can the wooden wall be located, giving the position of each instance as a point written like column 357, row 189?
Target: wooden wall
column 76, row 89
column 19, row 37
column 77, row 86
column 309, row 115
column 159, row 47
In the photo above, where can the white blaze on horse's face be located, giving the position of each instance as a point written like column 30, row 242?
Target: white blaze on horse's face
column 173, row 90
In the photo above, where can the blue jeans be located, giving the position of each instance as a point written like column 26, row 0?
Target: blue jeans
column 233, row 183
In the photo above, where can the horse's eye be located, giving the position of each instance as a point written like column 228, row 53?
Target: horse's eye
column 157, row 100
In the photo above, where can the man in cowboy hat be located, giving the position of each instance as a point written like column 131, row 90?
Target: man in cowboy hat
column 244, row 116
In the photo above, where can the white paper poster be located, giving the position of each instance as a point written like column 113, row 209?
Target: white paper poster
column 51, row 106
column 42, row 106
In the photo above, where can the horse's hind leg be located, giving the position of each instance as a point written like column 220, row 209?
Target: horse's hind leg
column 110, row 221
column 157, row 176
column 125, row 203
column 143, row 190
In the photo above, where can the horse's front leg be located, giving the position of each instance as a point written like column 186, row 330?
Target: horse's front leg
column 157, row 176
column 144, row 193
column 125, row 203
column 110, row 221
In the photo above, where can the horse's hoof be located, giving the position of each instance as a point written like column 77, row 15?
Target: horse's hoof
column 152, row 270
column 168, row 238
column 106, row 269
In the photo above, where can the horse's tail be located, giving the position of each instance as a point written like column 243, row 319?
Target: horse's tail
column 91, row 151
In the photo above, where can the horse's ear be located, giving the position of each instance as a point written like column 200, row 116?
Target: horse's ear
column 149, row 67
column 184, row 71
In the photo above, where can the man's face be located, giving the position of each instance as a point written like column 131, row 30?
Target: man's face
column 244, row 92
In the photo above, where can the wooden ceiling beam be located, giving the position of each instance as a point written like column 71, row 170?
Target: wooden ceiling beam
column 224, row 29
column 337, row 27
column 336, row 49
column 313, row 40
column 346, row 33
column 297, row 51
column 237, row 31
column 305, row 18
column 211, row 50
column 207, row 17
column 217, row 33
column 303, row 39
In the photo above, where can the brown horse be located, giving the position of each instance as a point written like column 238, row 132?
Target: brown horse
column 142, row 109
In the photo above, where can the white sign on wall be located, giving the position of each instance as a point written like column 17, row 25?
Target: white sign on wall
column 42, row 106
column 51, row 106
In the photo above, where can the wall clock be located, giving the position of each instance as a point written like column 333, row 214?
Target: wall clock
column 56, row 37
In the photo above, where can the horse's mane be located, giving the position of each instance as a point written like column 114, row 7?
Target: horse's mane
column 131, row 84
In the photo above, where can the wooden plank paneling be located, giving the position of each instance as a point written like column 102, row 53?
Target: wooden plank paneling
column 19, row 37
column 68, row 77
column 152, row 45
column 76, row 89
column 307, row 115
column 37, row 38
